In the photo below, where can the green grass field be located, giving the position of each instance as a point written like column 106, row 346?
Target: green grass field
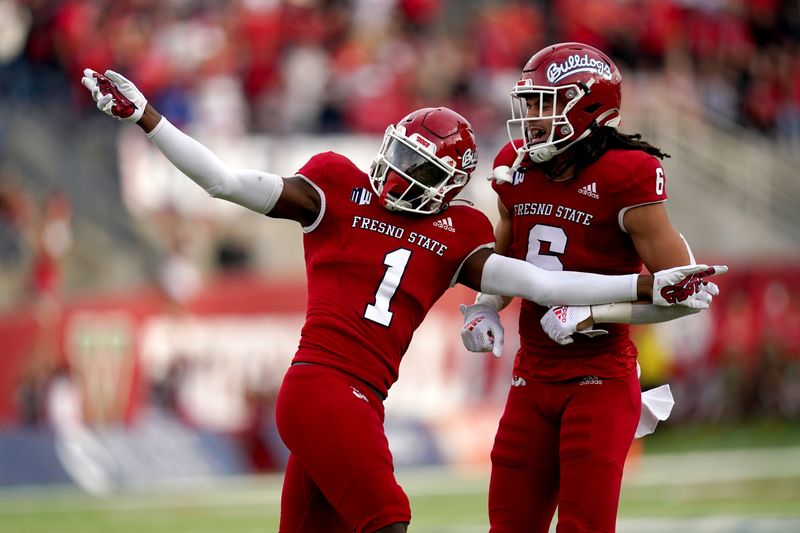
column 692, row 481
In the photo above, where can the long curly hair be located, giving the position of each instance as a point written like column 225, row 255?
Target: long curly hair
column 599, row 142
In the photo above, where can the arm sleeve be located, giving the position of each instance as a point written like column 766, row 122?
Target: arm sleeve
column 253, row 189
column 627, row 313
column 512, row 277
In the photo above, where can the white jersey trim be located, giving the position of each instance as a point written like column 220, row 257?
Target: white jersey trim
column 624, row 210
column 458, row 270
column 322, row 203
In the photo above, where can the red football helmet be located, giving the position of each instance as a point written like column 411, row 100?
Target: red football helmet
column 565, row 92
column 424, row 161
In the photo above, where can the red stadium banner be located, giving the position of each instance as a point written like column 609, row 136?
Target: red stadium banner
column 218, row 360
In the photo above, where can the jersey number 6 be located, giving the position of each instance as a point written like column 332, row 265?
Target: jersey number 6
column 557, row 240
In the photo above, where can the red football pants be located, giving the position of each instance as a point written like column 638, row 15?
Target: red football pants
column 562, row 444
column 340, row 476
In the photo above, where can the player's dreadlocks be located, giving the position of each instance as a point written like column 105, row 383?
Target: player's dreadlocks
column 606, row 138
column 599, row 142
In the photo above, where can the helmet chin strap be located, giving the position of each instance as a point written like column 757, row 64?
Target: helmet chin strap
column 546, row 153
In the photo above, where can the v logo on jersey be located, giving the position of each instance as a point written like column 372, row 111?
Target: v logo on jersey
column 360, row 196
column 590, row 190
column 517, row 178
column 446, row 224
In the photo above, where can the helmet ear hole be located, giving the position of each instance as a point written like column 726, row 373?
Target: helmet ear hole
column 592, row 108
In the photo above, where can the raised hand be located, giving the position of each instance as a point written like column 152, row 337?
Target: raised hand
column 482, row 330
column 115, row 94
column 686, row 285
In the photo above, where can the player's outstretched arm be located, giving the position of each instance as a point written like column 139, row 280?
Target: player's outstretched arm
column 495, row 274
column 256, row 190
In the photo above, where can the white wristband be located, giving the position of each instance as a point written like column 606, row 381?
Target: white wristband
column 618, row 313
column 628, row 313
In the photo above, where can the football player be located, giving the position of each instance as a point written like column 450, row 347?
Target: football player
column 574, row 193
column 380, row 249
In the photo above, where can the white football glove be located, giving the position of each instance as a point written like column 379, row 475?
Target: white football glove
column 561, row 321
column 684, row 285
column 702, row 299
column 115, row 95
column 482, row 330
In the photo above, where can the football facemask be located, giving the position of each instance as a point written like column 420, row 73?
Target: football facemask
column 545, row 127
column 573, row 89
column 407, row 175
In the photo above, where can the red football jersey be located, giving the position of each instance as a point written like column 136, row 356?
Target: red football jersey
column 577, row 225
column 373, row 274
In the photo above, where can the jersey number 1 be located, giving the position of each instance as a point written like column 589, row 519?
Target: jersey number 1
column 379, row 311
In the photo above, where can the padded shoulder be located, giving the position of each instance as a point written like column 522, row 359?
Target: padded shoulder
column 324, row 167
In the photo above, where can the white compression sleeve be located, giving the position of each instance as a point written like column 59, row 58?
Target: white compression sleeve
column 253, row 189
column 627, row 313
column 512, row 277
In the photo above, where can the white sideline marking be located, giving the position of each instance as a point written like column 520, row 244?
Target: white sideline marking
column 654, row 470
column 659, row 525
column 721, row 465
column 708, row 525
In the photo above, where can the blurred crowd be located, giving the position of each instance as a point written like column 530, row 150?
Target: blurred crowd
column 739, row 361
column 356, row 65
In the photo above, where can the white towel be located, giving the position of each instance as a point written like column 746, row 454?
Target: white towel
column 656, row 406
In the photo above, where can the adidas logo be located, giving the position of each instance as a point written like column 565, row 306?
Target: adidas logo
column 590, row 190
column 517, row 381
column 591, row 380
column 445, row 224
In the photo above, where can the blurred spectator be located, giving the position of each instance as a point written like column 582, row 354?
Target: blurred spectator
column 16, row 213
column 165, row 392
column 30, row 395
column 64, row 404
column 179, row 276
column 232, row 255
column 287, row 66
column 15, row 23
column 52, row 240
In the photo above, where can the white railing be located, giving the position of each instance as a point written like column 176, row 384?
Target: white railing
column 734, row 168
